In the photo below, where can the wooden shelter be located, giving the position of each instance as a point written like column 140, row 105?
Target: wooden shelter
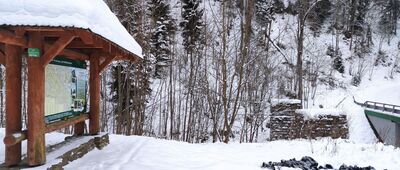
column 72, row 42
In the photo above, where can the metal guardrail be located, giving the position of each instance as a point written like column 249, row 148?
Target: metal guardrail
column 379, row 106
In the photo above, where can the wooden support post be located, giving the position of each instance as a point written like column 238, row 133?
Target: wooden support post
column 2, row 58
column 79, row 128
column 13, row 102
column 36, row 98
column 94, row 89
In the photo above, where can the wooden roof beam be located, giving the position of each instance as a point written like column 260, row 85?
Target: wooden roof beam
column 106, row 46
column 106, row 62
column 74, row 55
column 43, row 29
column 80, row 44
column 127, row 58
column 56, row 48
column 20, row 32
column 9, row 37
column 85, row 36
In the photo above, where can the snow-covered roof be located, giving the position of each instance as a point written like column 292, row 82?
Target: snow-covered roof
column 86, row 14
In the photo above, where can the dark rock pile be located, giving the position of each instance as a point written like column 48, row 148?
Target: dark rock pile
column 308, row 163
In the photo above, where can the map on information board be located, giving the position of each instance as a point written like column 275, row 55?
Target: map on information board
column 66, row 89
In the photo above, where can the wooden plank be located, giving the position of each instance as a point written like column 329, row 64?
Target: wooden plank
column 56, row 48
column 36, row 97
column 16, row 138
column 13, row 101
column 94, row 92
column 8, row 37
column 67, row 122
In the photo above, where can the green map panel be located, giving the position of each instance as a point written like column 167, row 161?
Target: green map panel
column 66, row 88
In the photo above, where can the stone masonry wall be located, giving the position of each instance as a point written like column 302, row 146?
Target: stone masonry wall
column 285, row 123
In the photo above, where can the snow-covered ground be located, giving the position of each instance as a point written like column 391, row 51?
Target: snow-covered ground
column 146, row 153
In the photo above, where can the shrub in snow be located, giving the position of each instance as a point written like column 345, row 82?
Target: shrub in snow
column 291, row 8
column 318, row 15
column 278, row 6
column 338, row 64
column 330, row 51
column 382, row 59
column 356, row 80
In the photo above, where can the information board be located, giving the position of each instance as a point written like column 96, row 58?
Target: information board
column 66, row 89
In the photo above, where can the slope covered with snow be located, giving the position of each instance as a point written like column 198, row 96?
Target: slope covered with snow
column 379, row 88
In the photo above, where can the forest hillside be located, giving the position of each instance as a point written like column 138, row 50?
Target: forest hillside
column 212, row 67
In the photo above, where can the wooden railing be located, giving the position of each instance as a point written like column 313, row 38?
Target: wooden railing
column 19, row 137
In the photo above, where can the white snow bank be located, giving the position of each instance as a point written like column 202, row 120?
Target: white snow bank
column 275, row 102
column 144, row 153
column 86, row 14
column 314, row 113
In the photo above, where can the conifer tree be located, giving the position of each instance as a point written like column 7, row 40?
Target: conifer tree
column 390, row 15
column 163, row 29
column 192, row 23
column 130, row 83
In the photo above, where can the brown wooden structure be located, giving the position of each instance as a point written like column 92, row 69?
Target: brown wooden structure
column 73, row 43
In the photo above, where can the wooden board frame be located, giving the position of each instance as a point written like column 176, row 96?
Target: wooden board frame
column 73, row 43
